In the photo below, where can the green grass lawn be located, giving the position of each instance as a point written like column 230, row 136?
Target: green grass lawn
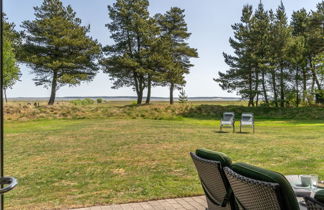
column 75, row 163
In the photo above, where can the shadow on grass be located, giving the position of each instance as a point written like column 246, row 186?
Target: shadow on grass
column 244, row 132
column 234, row 132
column 223, row 132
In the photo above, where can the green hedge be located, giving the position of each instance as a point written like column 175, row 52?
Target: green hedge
column 216, row 111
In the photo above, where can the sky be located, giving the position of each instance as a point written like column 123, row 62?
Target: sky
column 209, row 21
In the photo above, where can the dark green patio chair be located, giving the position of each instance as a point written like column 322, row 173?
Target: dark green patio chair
column 209, row 166
column 316, row 203
column 258, row 189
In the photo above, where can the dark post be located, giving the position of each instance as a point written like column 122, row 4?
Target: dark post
column 1, row 100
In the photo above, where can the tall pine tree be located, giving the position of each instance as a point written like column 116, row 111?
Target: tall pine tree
column 281, row 33
column 11, row 34
column 299, row 24
column 241, row 76
column 128, row 60
column 315, row 41
column 260, row 29
column 274, row 59
column 296, row 62
column 175, row 34
column 58, row 48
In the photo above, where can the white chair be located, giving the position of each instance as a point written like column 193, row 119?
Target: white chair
column 247, row 119
column 228, row 120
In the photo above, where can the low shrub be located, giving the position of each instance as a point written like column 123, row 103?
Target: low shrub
column 86, row 101
column 83, row 109
column 261, row 112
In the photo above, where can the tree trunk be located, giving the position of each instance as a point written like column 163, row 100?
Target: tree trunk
column 312, row 67
column 282, row 88
column 274, row 86
column 304, row 84
column 138, row 88
column 149, row 86
column 171, row 93
column 5, row 94
column 251, row 96
column 139, row 97
column 313, row 86
column 297, row 89
column 256, row 89
column 53, row 89
column 257, row 100
column 141, row 87
column 251, row 101
column 264, row 88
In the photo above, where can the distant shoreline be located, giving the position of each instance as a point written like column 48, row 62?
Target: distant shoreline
column 123, row 98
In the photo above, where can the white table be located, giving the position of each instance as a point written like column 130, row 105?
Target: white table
column 300, row 193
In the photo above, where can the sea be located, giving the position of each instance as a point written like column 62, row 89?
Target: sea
column 123, row 98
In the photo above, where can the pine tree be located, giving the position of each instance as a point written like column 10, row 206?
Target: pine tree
column 128, row 60
column 260, row 29
column 241, row 76
column 272, row 59
column 159, row 60
column 285, row 60
column 58, row 48
column 295, row 54
column 183, row 98
column 281, row 34
column 299, row 24
column 175, row 35
column 315, row 41
column 11, row 34
column 319, row 65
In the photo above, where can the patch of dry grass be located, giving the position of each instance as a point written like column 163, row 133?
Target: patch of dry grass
column 16, row 111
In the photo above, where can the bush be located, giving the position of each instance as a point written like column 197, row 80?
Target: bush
column 86, row 101
column 99, row 100
column 261, row 112
column 156, row 111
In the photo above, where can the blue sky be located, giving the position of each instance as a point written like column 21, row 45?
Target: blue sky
column 209, row 21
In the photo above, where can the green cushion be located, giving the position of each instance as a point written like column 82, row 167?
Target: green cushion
column 319, row 196
column 265, row 175
column 212, row 155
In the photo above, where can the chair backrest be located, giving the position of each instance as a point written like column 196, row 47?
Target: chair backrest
column 285, row 194
column 247, row 117
column 253, row 194
column 214, row 183
column 228, row 116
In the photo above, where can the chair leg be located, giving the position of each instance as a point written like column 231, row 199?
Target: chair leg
column 253, row 129
column 240, row 128
column 233, row 128
column 220, row 128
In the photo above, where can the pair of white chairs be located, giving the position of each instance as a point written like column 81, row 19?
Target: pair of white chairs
column 228, row 120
